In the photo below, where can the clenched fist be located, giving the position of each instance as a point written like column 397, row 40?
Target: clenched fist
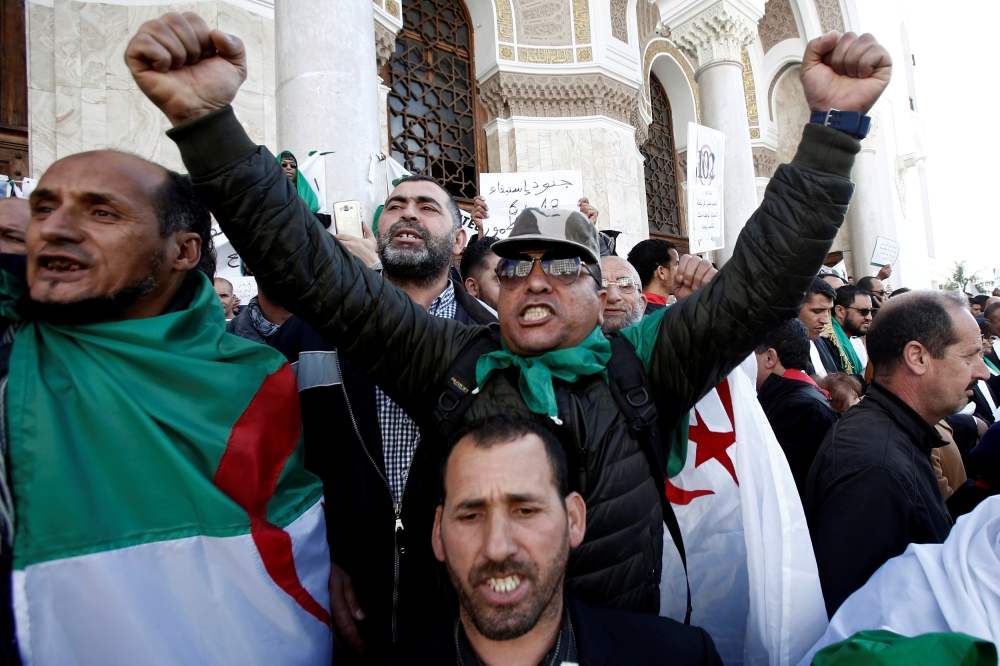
column 844, row 72
column 184, row 67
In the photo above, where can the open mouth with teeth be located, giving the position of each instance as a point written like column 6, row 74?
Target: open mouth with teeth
column 504, row 585
column 60, row 264
column 408, row 236
column 536, row 312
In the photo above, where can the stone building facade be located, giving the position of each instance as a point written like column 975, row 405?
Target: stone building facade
column 454, row 88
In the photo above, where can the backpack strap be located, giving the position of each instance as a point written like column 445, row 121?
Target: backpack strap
column 632, row 392
column 459, row 390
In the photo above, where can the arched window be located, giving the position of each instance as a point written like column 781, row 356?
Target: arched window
column 662, row 199
column 432, row 112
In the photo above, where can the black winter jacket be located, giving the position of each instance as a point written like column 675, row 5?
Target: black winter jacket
column 408, row 352
column 604, row 637
column 800, row 416
column 872, row 491
column 343, row 447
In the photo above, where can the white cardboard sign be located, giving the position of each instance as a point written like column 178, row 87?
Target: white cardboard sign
column 886, row 252
column 705, row 164
column 507, row 194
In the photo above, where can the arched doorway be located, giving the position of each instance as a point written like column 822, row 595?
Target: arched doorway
column 434, row 119
column 663, row 201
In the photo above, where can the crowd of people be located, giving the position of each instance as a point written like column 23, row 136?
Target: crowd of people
column 424, row 449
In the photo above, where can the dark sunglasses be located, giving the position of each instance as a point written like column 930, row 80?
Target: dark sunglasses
column 288, row 163
column 864, row 311
column 512, row 272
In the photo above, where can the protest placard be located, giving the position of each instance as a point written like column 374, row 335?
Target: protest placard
column 886, row 252
column 706, row 150
column 507, row 194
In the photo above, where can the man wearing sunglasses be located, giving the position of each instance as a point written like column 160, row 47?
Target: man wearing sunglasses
column 551, row 362
column 852, row 315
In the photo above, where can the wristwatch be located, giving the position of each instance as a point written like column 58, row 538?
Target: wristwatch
column 851, row 122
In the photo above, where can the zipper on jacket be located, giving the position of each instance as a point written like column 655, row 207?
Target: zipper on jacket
column 397, row 507
column 580, row 436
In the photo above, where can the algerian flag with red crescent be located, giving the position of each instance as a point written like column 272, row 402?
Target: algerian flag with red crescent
column 163, row 513
column 754, row 584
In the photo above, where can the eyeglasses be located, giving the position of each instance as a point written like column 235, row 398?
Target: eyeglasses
column 512, row 272
column 625, row 284
column 287, row 163
column 864, row 311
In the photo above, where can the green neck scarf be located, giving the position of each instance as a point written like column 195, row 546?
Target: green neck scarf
column 302, row 185
column 852, row 364
column 590, row 357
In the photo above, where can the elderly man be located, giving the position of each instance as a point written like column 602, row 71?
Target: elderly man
column 173, row 479
column 872, row 489
column 656, row 261
column 504, row 530
column 14, row 216
column 815, row 314
column 626, row 303
column 224, row 289
column 852, row 315
column 551, row 363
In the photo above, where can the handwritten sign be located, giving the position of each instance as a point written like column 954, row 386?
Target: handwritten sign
column 886, row 252
column 507, row 194
column 706, row 151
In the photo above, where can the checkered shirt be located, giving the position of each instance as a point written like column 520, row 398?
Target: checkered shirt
column 400, row 434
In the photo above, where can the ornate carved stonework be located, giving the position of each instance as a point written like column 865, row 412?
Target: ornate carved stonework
column 507, row 94
column 385, row 44
column 641, row 127
column 581, row 21
column 777, row 25
column 647, row 15
column 584, row 55
column 392, row 7
column 543, row 22
column 718, row 34
column 506, row 52
column 619, row 22
column 830, row 17
column 505, row 21
column 657, row 47
column 750, row 93
column 545, row 56
column 765, row 161
column 378, row 2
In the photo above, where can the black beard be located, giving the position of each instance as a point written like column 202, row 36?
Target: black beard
column 420, row 268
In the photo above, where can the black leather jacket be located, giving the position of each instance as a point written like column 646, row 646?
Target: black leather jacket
column 408, row 352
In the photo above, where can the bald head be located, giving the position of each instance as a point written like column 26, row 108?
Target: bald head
column 626, row 303
column 14, row 216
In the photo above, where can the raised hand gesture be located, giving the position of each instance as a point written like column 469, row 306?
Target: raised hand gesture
column 184, row 67
column 844, row 72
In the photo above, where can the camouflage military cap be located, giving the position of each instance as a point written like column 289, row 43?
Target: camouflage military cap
column 541, row 229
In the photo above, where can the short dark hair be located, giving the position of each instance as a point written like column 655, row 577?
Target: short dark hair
column 990, row 309
column 505, row 428
column 822, row 287
column 984, row 327
column 456, row 212
column 180, row 209
column 791, row 342
column 921, row 316
column 980, row 300
column 848, row 293
column 866, row 283
column 474, row 257
column 900, row 292
column 646, row 256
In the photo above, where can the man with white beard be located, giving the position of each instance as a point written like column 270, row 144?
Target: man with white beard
column 626, row 302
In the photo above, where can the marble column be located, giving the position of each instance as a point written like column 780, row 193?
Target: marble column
column 716, row 37
column 864, row 217
column 327, row 92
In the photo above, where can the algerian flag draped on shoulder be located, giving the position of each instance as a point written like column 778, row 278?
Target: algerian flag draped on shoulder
column 754, row 584
column 163, row 515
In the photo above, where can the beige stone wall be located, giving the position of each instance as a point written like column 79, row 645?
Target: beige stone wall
column 81, row 96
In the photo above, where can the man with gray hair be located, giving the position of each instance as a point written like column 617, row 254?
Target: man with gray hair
column 871, row 490
column 626, row 302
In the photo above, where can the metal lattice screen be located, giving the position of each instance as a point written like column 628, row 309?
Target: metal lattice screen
column 662, row 199
column 431, row 112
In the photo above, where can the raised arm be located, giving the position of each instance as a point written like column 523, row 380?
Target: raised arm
column 192, row 73
column 784, row 243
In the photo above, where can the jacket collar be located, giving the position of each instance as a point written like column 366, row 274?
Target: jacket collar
column 655, row 299
column 475, row 310
column 596, row 648
column 920, row 432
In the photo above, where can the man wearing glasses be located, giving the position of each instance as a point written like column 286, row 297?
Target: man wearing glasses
column 852, row 315
column 551, row 362
column 877, row 289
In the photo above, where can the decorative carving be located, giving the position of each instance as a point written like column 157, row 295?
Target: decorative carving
column 718, row 34
column 432, row 126
column 378, row 2
column 385, row 45
column 581, row 21
column 584, row 55
column 765, row 161
column 392, row 7
column 647, row 15
column 655, row 48
column 662, row 197
column 830, row 16
column 505, row 21
column 619, row 22
column 777, row 25
column 774, row 82
column 545, row 56
column 506, row 94
column 750, row 93
column 543, row 22
column 506, row 53
column 640, row 125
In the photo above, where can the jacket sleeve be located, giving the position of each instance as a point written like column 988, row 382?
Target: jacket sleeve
column 779, row 252
column 395, row 342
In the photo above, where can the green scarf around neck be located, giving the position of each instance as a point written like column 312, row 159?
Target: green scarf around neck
column 852, row 364
column 590, row 357
column 302, row 185
column 992, row 367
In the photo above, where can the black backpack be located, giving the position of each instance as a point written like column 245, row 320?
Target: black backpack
column 630, row 388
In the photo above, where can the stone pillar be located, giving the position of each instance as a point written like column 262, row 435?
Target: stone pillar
column 327, row 92
column 864, row 216
column 716, row 37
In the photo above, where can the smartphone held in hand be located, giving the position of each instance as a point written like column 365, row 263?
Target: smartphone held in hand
column 347, row 218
